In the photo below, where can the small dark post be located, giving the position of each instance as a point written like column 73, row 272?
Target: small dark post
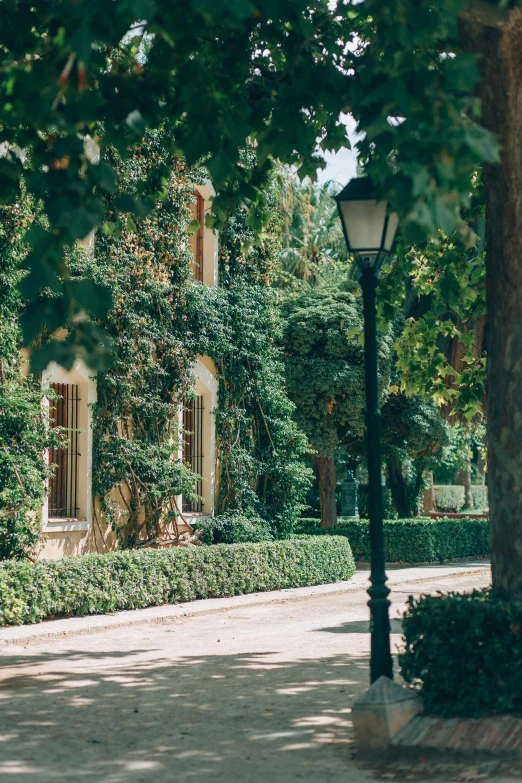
column 349, row 496
column 381, row 660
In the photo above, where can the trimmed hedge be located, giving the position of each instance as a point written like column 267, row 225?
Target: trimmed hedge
column 96, row 584
column 480, row 496
column 465, row 653
column 419, row 540
column 449, row 497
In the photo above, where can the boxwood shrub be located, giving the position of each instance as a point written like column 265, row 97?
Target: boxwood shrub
column 465, row 653
column 96, row 584
column 480, row 496
column 449, row 497
column 419, row 540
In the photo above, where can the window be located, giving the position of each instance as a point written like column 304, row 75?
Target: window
column 63, row 485
column 193, row 448
column 68, row 505
column 196, row 239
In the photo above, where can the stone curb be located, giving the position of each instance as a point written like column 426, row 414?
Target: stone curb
column 495, row 738
column 75, row 626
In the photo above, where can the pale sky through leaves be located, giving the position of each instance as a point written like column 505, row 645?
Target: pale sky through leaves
column 342, row 165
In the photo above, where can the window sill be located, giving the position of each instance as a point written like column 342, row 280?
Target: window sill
column 65, row 525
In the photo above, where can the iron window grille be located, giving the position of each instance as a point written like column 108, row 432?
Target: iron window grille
column 63, row 484
column 193, row 448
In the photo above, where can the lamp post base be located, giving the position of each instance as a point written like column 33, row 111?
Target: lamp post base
column 380, row 713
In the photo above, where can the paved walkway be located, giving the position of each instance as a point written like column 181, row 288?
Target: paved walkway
column 257, row 691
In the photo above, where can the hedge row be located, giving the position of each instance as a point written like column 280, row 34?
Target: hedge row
column 465, row 653
column 96, row 584
column 419, row 540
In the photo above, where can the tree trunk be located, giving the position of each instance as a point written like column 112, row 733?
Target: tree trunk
column 327, row 483
column 429, row 496
column 398, row 487
column 463, row 478
column 499, row 44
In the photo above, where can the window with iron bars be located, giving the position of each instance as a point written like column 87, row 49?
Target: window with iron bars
column 196, row 239
column 193, row 448
column 63, row 484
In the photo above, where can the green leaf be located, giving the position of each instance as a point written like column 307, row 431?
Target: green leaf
column 94, row 297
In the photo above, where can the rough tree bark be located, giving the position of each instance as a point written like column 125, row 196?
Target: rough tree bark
column 463, row 477
column 327, row 483
column 398, row 487
column 429, row 495
column 497, row 38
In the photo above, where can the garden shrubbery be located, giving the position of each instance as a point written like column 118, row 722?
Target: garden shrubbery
column 480, row 496
column 465, row 652
column 233, row 527
column 449, row 497
column 96, row 584
column 417, row 540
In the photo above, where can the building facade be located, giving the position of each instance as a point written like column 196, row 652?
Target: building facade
column 71, row 520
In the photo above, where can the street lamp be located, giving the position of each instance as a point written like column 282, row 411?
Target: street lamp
column 369, row 229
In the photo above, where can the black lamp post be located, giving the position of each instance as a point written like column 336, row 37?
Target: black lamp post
column 369, row 229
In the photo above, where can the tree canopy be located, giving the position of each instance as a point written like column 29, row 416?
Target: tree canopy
column 324, row 361
column 273, row 74
column 432, row 85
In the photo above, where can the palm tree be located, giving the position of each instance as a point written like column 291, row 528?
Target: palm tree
column 313, row 247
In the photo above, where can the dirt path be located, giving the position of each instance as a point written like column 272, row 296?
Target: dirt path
column 253, row 694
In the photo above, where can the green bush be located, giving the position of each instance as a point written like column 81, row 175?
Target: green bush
column 480, row 497
column 465, row 653
column 449, row 497
column 95, row 584
column 418, row 540
column 363, row 503
column 233, row 527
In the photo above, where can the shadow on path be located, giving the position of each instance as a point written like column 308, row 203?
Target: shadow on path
column 360, row 626
column 135, row 716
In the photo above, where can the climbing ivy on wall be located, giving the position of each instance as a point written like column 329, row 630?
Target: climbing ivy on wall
column 137, row 471
column 160, row 320
column 24, row 433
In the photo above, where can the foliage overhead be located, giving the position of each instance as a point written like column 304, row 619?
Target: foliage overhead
column 275, row 73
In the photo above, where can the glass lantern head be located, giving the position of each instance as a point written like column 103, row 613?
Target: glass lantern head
column 369, row 228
